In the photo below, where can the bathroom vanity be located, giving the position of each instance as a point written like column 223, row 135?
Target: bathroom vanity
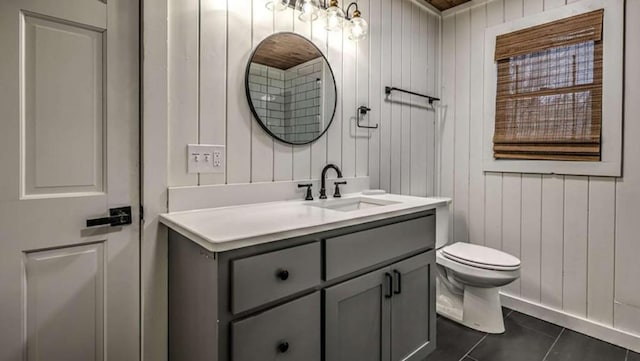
column 336, row 280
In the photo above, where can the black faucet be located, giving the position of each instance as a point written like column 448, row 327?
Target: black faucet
column 323, row 179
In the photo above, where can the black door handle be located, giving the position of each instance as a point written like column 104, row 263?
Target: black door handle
column 388, row 285
column 398, row 282
column 117, row 217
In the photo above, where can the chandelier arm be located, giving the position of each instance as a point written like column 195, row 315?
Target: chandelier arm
column 346, row 13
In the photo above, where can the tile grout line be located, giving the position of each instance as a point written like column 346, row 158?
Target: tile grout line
column 626, row 356
column 553, row 345
column 474, row 346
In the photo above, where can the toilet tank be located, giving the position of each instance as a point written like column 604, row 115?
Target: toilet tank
column 442, row 226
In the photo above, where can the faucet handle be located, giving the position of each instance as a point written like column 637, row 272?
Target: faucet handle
column 309, row 196
column 336, row 193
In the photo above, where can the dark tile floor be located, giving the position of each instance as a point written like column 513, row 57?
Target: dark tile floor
column 526, row 339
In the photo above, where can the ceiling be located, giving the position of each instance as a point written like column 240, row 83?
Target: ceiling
column 284, row 51
column 443, row 5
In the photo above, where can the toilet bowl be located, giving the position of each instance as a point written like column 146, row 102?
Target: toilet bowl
column 469, row 278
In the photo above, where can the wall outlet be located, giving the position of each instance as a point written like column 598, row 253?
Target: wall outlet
column 205, row 158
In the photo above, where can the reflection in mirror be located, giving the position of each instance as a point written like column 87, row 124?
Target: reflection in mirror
column 291, row 88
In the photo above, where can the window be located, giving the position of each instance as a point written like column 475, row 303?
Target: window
column 549, row 91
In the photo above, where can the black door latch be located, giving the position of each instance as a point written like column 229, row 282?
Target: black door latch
column 117, row 217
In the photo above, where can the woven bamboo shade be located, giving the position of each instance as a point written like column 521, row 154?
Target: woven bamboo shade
column 549, row 91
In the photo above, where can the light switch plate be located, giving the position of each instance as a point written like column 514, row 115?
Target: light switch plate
column 205, row 158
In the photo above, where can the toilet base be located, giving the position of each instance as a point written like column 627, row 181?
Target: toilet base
column 483, row 310
column 477, row 308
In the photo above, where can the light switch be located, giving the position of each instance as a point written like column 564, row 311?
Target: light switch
column 205, row 158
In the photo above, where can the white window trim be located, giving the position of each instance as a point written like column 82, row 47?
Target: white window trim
column 612, row 98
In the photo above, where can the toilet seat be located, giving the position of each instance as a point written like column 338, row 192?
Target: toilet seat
column 481, row 257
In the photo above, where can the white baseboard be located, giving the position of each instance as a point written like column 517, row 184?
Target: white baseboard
column 211, row 196
column 573, row 322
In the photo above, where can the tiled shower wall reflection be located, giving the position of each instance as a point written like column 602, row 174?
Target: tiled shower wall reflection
column 290, row 101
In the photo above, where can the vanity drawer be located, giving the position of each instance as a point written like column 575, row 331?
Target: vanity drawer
column 355, row 251
column 288, row 332
column 267, row 277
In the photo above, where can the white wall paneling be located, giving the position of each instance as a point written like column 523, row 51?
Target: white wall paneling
column 320, row 37
column 183, row 87
column 627, row 247
column 476, row 220
column 375, row 83
column 213, row 65
column 576, row 236
column 363, row 75
column 210, row 42
column 405, row 82
column 239, row 119
column 461, row 126
column 261, row 142
column 155, row 152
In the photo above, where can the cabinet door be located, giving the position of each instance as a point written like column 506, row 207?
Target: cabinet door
column 357, row 323
column 413, row 308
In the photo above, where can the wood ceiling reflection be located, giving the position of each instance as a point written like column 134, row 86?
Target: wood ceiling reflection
column 285, row 51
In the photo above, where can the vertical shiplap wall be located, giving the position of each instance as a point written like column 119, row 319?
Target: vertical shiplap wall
column 210, row 42
column 577, row 237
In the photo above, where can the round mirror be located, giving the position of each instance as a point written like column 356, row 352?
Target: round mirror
column 290, row 88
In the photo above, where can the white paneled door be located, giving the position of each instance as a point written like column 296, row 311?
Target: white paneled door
column 68, row 152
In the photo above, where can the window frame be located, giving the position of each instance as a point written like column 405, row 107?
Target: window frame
column 612, row 87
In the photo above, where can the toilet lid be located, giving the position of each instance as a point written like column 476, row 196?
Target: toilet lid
column 482, row 257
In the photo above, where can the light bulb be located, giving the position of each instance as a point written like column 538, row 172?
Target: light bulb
column 276, row 5
column 308, row 10
column 358, row 29
column 334, row 19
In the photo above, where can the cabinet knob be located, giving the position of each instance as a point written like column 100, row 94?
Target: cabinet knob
column 283, row 346
column 283, row 274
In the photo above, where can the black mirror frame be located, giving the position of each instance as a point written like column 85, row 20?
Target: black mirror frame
column 253, row 110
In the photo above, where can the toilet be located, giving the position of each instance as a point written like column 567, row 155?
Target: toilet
column 469, row 278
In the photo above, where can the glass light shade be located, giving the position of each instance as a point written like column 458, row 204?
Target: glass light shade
column 309, row 10
column 358, row 29
column 334, row 18
column 276, row 5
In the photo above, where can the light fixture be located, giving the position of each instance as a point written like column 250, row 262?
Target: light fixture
column 276, row 5
column 358, row 27
column 309, row 10
column 334, row 17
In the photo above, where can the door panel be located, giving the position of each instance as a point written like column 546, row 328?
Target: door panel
column 357, row 319
column 412, row 308
column 62, row 69
column 64, row 303
column 68, row 152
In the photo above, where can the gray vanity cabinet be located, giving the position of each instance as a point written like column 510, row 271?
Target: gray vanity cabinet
column 357, row 318
column 363, row 292
column 383, row 315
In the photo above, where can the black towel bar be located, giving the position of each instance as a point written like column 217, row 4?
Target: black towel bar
column 389, row 89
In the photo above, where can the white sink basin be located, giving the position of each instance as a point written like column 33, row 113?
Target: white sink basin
column 352, row 204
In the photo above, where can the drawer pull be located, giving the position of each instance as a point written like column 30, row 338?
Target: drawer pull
column 283, row 274
column 283, row 347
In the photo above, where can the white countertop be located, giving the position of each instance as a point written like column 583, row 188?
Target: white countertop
column 227, row 228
